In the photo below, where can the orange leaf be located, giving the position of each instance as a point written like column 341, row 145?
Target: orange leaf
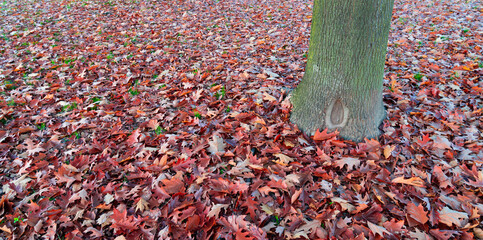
column 6, row 229
column 321, row 136
column 218, row 68
column 215, row 88
column 25, row 130
column 388, row 150
column 92, row 67
column 415, row 181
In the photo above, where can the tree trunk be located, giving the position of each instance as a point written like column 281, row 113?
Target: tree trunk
column 342, row 85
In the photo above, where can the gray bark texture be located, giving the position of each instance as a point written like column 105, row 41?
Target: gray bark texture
column 342, row 85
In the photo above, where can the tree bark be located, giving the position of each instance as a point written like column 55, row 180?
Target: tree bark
column 342, row 85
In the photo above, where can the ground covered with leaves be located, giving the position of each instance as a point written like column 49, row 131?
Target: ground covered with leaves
column 170, row 120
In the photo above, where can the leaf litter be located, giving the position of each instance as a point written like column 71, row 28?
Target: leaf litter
column 170, row 120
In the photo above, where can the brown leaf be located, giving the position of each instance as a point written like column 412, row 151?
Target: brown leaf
column 394, row 226
column 172, row 185
column 193, row 222
column 443, row 180
column 442, row 234
column 284, row 160
column 33, row 148
column 478, row 233
column 215, row 210
column 25, row 129
column 122, row 221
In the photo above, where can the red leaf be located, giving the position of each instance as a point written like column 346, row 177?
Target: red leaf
column 241, row 235
column 133, row 138
column 417, row 213
column 394, row 226
column 425, row 141
column 442, row 234
column 122, row 221
column 192, row 222
column 251, row 205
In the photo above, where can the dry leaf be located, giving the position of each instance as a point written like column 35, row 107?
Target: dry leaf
column 388, row 150
column 215, row 210
column 283, row 159
column 352, row 163
column 377, row 229
column 415, row 181
column 141, row 205
column 450, row 217
column 216, row 145
column 417, row 213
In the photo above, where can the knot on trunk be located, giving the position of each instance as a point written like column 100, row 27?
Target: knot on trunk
column 337, row 115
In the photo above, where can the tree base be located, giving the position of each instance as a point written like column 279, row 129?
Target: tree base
column 356, row 117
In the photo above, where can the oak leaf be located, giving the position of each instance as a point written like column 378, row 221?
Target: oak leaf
column 388, row 150
column 321, row 136
column 394, row 226
column 284, row 160
column 415, row 181
column 215, row 210
column 376, row 229
column 133, row 138
column 349, row 161
column 450, row 217
column 123, row 222
column 141, row 204
column 216, row 145
column 251, row 206
column 172, row 185
column 33, row 148
column 417, row 213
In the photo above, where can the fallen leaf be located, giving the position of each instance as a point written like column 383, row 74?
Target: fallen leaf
column 377, row 229
column 133, row 138
column 451, row 217
column 216, row 145
column 108, row 198
column 6, row 229
column 417, row 213
column 283, row 159
column 321, row 136
column 388, row 150
column 33, row 148
column 352, row 163
column 141, row 205
column 415, row 181
column 215, row 210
